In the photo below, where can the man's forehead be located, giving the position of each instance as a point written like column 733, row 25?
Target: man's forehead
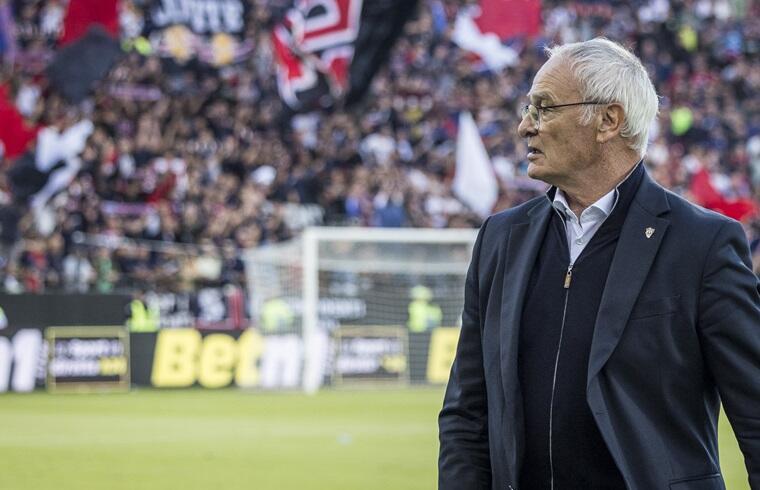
column 552, row 80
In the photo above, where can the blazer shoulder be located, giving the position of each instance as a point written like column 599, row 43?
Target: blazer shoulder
column 496, row 227
column 517, row 214
column 657, row 200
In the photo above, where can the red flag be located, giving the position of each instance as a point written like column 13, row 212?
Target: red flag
column 14, row 133
column 705, row 194
column 81, row 14
column 738, row 209
column 509, row 18
column 702, row 189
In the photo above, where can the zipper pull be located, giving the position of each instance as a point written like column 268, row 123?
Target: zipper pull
column 568, row 276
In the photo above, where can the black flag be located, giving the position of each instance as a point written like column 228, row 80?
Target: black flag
column 77, row 67
column 328, row 51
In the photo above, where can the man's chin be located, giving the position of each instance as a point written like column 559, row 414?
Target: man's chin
column 542, row 173
column 537, row 171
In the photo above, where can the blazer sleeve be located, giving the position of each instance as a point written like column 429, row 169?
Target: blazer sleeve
column 464, row 460
column 729, row 326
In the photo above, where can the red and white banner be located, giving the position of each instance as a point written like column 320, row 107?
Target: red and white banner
column 328, row 50
column 482, row 29
column 314, row 48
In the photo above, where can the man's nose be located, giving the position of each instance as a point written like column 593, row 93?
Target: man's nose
column 526, row 127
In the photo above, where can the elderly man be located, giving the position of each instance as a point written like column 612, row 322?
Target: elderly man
column 606, row 321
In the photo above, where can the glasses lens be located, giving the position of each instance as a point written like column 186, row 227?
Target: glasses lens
column 533, row 113
column 530, row 110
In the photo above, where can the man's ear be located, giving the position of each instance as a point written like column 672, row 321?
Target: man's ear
column 610, row 122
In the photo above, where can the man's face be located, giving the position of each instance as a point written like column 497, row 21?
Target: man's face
column 560, row 149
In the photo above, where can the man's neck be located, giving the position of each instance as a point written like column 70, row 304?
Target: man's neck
column 590, row 191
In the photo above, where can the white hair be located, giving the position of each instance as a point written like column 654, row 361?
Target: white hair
column 607, row 72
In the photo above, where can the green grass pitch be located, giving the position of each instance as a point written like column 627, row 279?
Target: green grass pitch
column 230, row 439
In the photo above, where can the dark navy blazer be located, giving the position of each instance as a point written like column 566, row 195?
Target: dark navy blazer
column 678, row 331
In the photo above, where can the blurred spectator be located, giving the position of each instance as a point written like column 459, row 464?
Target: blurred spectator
column 78, row 273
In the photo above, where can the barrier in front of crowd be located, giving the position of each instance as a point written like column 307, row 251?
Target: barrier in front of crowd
column 81, row 343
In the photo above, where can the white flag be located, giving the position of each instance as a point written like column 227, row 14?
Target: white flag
column 474, row 180
column 487, row 45
column 54, row 146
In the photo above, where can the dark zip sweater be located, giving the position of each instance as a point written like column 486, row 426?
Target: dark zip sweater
column 562, row 441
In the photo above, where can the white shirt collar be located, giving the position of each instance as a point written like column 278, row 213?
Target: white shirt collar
column 605, row 204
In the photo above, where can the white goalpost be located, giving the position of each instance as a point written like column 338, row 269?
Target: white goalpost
column 369, row 304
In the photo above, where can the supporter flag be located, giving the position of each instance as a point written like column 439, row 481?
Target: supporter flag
column 38, row 176
column 81, row 14
column 212, row 31
column 705, row 194
column 328, row 51
column 78, row 66
column 474, row 179
column 483, row 29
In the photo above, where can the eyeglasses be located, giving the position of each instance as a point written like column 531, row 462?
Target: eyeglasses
column 535, row 112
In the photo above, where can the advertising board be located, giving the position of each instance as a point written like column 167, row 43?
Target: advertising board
column 87, row 359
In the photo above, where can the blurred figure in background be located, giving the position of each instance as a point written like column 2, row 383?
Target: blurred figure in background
column 142, row 316
column 423, row 315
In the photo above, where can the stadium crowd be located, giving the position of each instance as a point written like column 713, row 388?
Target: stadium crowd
column 187, row 164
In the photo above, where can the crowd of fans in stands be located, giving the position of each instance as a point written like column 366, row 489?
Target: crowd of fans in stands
column 193, row 164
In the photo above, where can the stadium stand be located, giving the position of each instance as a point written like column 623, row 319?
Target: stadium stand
column 185, row 165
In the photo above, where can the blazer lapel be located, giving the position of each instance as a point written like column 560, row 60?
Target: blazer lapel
column 523, row 244
column 639, row 241
column 522, row 247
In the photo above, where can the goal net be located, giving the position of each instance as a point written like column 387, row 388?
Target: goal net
column 364, row 305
